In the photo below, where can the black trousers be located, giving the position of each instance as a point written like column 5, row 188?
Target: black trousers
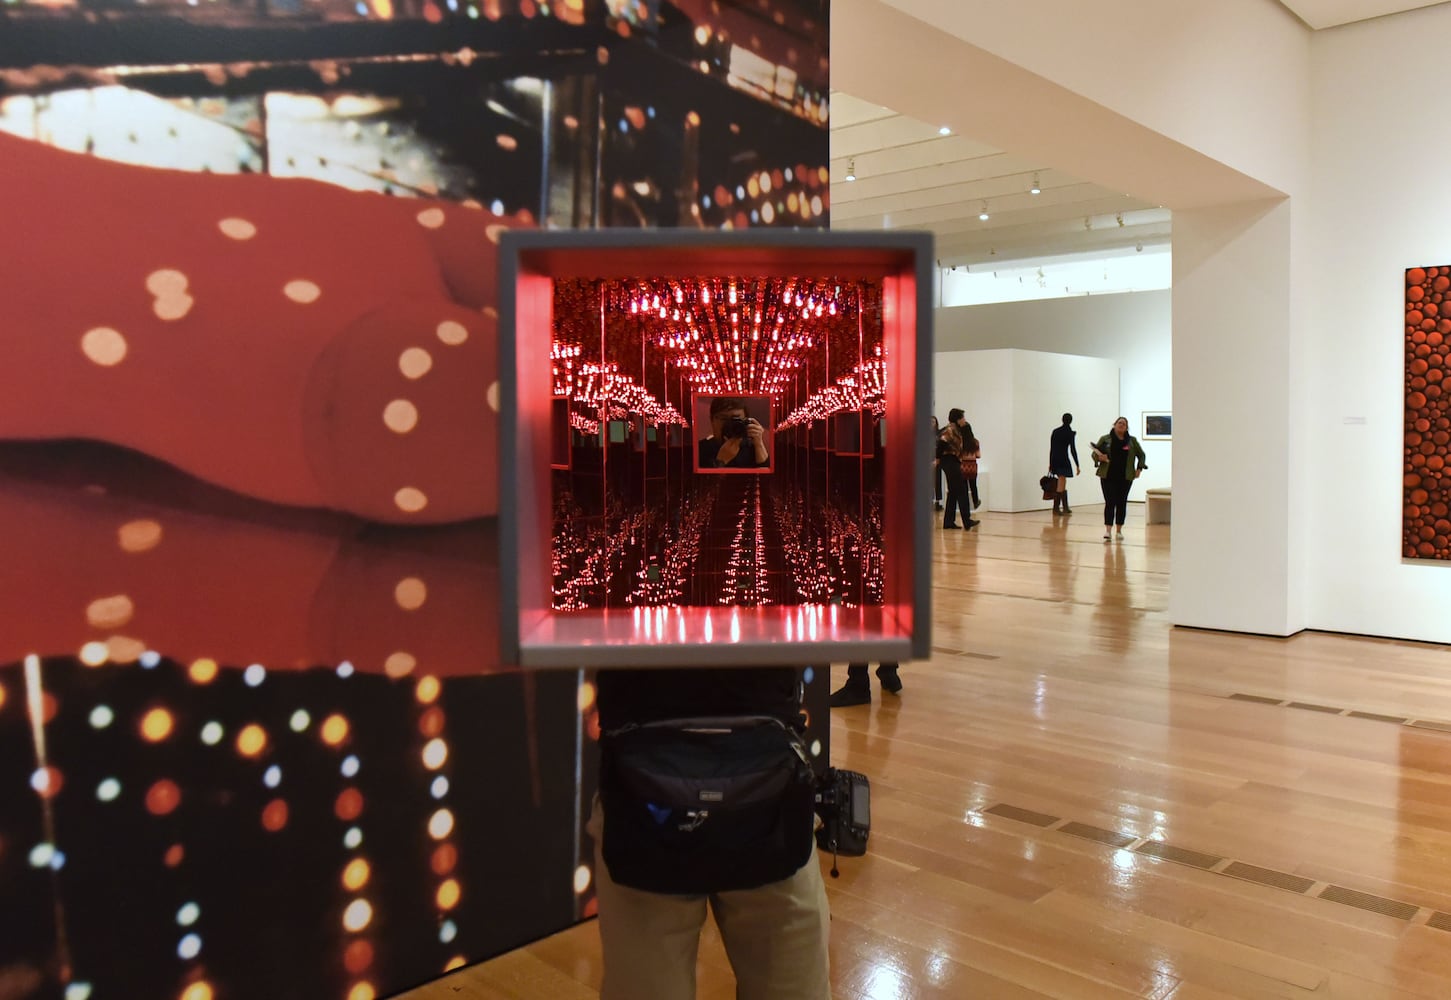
column 856, row 673
column 956, row 492
column 1115, row 499
column 937, row 475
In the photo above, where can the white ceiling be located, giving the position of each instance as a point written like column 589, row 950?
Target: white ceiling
column 911, row 177
column 1330, row 13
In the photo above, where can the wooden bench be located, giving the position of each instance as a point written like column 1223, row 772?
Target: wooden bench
column 1158, row 502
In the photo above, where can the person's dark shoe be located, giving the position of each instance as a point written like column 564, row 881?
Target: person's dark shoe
column 937, row 505
column 850, row 694
column 952, row 527
column 972, row 524
column 891, row 683
column 976, row 504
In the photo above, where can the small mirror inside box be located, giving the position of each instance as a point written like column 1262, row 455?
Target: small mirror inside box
column 717, row 442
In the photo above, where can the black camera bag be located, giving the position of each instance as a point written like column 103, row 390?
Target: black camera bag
column 698, row 806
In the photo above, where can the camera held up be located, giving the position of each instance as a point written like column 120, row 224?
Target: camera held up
column 735, row 427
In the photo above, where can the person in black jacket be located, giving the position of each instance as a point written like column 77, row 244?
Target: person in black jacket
column 1062, row 445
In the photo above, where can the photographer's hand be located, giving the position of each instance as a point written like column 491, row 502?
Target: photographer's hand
column 756, row 434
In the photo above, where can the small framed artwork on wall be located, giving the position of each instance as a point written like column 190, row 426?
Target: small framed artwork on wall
column 1158, row 426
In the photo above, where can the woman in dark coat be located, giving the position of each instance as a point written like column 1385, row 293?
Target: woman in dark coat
column 1061, row 447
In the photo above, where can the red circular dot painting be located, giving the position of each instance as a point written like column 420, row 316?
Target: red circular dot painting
column 1426, row 510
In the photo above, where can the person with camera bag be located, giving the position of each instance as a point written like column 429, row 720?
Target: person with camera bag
column 736, row 441
column 707, row 799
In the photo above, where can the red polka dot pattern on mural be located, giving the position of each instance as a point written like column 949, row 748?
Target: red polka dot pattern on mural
column 1426, row 516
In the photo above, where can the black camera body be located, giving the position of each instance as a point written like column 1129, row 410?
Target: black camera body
column 844, row 803
column 735, row 427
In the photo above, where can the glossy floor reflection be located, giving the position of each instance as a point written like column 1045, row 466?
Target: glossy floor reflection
column 1058, row 687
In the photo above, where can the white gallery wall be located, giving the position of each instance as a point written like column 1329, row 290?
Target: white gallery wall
column 1014, row 399
column 1133, row 329
column 1287, row 329
column 1204, row 123
column 1380, row 205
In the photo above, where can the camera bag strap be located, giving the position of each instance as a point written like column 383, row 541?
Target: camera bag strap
column 704, row 805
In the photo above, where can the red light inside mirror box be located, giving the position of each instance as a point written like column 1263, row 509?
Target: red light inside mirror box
column 717, row 447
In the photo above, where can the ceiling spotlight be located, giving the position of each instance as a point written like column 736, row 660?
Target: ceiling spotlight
column 944, row 130
column 1087, row 222
column 983, row 216
column 1036, row 188
column 1119, row 218
column 1138, row 248
column 851, row 169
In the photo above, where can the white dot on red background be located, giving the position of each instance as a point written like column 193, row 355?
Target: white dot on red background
column 431, row 218
column 401, row 416
column 452, row 333
column 399, row 664
column 493, row 396
column 139, row 536
column 166, row 282
column 415, row 362
column 410, row 500
column 173, row 306
column 237, row 229
column 495, row 231
column 303, row 292
column 110, row 612
column 410, row 593
column 104, row 346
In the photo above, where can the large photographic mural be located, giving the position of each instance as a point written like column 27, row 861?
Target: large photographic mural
column 1426, row 525
column 254, row 737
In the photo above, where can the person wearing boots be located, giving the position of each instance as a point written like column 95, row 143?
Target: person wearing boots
column 1061, row 445
column 949, row 458
column 858, row 687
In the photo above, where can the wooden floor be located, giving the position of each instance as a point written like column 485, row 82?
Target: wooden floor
column 1058, row 687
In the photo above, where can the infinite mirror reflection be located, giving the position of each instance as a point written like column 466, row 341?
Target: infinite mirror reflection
column 717, row 440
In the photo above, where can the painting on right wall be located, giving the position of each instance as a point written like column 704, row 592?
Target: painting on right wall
column 1426, row 520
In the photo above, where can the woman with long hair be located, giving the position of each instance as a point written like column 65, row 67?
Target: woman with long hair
column 1120, row 459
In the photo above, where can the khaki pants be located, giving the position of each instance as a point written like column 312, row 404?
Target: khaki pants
column 775, row 936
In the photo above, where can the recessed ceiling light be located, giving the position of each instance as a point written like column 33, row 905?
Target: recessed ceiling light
column 983, row 214
column 944, row 130
column 1036, row 188
column 851, row 170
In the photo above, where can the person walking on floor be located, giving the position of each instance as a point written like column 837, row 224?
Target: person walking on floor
column 949, row 457
column 971, row 452
column 1120, row 459
column 1062, row 445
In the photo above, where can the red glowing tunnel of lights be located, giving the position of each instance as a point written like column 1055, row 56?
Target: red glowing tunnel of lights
column 723, row 336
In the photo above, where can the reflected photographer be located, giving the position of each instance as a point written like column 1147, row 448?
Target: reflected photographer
column 737, row 440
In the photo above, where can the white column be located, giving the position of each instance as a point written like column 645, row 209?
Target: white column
column 1237, row 555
